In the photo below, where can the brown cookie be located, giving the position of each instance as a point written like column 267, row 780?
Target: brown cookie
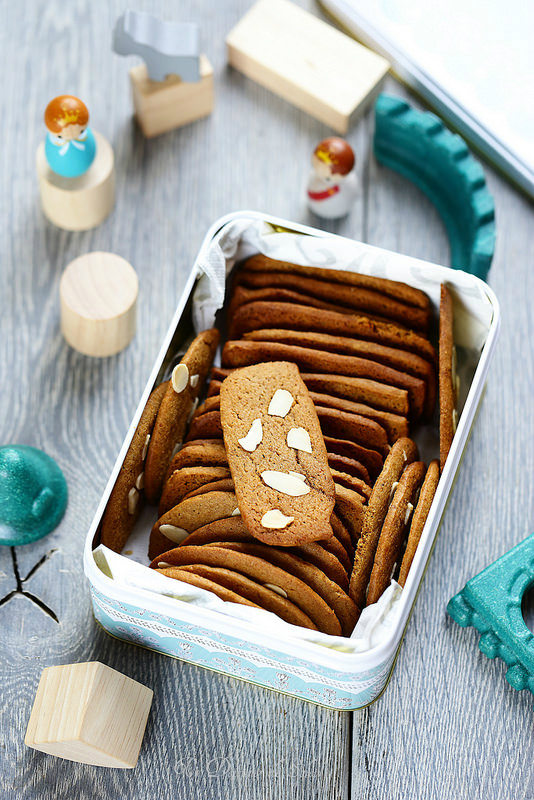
column 262, row 314
column 394, row 425
column 254, row 592
column 169, row 429
column 234, row 530
column 403, row 452
column 349, row 466
column 202, row 582
column 448, row 414
column 377, row 395
column 334, row 546
column 227, row 529
column 338, row 600
column 339, row 296
column 323, row 559
column 222, row 485
column 402, row 360
column 260, row 570
column 342, row 535
column 344, row 425
column 350, row 482
column 211, row 403
column 244, row 353
column 187, row 516
column 199, row 453
column 394, row 529
column 124, row 503
column 213, row 388
column 276, row 454
column 182, row 481
column 350, row 508
column 241, row 296
column 395, row 289
column 428, row 490
column 206, row 426
column 371, row 459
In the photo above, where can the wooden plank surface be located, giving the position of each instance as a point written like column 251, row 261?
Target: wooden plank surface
column 448, row 725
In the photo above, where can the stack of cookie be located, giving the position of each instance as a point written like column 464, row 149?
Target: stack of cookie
column 297, row 486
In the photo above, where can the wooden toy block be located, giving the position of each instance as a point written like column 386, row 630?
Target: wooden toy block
column 98, row 295
column 306, row 61
column 163, row 106
column 89, row 713
column 83, row 202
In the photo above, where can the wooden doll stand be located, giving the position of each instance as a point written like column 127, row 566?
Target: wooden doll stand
column 78, row 204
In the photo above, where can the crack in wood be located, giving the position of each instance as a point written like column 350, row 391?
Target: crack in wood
column 21, row 581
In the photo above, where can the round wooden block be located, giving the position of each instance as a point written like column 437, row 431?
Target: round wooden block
column 98, row 294
column 77, row 204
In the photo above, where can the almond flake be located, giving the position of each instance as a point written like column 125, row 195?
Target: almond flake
column 284, row 482
column 298, row 475
column 276, row 589
column 145, row 447
column 408, row 514
column 299, row 438
column 275, row 519
column 173, row 533
column 253, row 437
column 193, row 381
column 180, row 378
column 133, row 500
column 281, row 403
column 236, row 512
column 140, row 482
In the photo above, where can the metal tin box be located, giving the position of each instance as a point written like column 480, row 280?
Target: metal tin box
column 335, row 676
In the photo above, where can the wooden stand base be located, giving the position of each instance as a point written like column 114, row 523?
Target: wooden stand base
column 161, row 107
column 98, row 294
column 89, row 713
column 78, row 204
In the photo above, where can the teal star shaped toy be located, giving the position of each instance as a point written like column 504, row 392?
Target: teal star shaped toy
column 491, row 603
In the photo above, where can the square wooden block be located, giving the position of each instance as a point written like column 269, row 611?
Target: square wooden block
column 307, row 62
column 89, row 713
column 161, row 107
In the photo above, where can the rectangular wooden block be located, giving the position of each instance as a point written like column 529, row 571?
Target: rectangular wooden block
column 89, row 713
column 307, row 62
column 161, row 107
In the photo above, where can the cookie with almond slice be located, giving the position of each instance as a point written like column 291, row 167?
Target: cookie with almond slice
column 259, row 569
column 125, row 500
column 403, row 452
column 276, row 454
column 428, row 490
column 393, row 531
column 186, row 382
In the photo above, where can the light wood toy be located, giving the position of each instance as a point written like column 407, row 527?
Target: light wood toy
column 98, row 295
column 161, row 106
column 306, row 61
column 75, row 168
column 89, row 713
column 174, row 86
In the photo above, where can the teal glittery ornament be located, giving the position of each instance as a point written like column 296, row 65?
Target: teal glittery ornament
column 33, row 494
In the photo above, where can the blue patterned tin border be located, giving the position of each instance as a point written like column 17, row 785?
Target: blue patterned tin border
column 239, row 658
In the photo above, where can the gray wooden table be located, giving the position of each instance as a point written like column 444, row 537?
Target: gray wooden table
column 448, row 725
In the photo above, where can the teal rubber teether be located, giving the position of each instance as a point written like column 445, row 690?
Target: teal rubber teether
column 33, row 494
column 491, row 603
column 419, row 146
